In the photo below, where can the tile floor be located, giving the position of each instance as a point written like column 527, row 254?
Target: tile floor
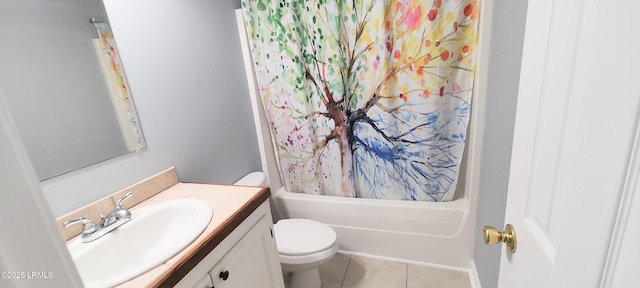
column 352, row 271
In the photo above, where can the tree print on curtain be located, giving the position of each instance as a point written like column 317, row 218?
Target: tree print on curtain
column 366, row 98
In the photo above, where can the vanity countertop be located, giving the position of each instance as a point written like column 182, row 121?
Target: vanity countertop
column 231, row 205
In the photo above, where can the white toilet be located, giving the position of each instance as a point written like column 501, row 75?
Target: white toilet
column 303, row 245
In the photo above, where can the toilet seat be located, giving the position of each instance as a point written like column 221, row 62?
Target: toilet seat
column 303, row 245
column 300, row 237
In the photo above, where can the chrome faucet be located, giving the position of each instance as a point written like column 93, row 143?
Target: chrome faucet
column 118, row 216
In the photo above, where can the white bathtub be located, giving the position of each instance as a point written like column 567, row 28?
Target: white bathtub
column 437, row 233
column 416, row 231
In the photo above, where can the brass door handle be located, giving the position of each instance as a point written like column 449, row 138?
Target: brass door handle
column 494, row 236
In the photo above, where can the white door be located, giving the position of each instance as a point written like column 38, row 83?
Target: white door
column 574, row 140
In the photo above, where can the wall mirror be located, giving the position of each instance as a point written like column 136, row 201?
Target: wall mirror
column 65, row 85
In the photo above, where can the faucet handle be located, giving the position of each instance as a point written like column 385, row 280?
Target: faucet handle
column 121, row 212
column 125, row 197
column 87, row 228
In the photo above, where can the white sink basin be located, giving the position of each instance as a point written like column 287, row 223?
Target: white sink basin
column 154, row 234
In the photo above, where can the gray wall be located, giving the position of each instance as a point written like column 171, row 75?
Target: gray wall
column 504, row 75
column 51, row 78
column 184, row 65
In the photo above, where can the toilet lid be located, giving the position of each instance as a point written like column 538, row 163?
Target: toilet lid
column 303, row 236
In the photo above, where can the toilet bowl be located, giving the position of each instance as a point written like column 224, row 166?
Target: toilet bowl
column 303, row 244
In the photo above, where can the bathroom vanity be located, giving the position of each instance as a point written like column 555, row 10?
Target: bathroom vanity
column 236, row 249
column 246, row 258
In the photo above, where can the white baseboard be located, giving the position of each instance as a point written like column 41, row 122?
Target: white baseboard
column 473, row 275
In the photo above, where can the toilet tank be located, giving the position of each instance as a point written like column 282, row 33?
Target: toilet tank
column 253, row 179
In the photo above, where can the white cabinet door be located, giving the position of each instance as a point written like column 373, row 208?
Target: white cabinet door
column 205, row 282
column 253, row 262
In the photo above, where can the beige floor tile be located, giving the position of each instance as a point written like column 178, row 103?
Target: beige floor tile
column 375, row 273
column 429, row 277
column 332, row 273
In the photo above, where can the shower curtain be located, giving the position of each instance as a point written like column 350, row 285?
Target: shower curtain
column 366, row 98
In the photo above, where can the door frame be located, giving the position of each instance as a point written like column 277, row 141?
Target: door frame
column 620, row 227
column 42, row 249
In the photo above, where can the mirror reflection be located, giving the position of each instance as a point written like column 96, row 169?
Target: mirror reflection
column 62, row 77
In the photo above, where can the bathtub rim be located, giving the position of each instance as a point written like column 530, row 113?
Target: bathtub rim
column 460, row 207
